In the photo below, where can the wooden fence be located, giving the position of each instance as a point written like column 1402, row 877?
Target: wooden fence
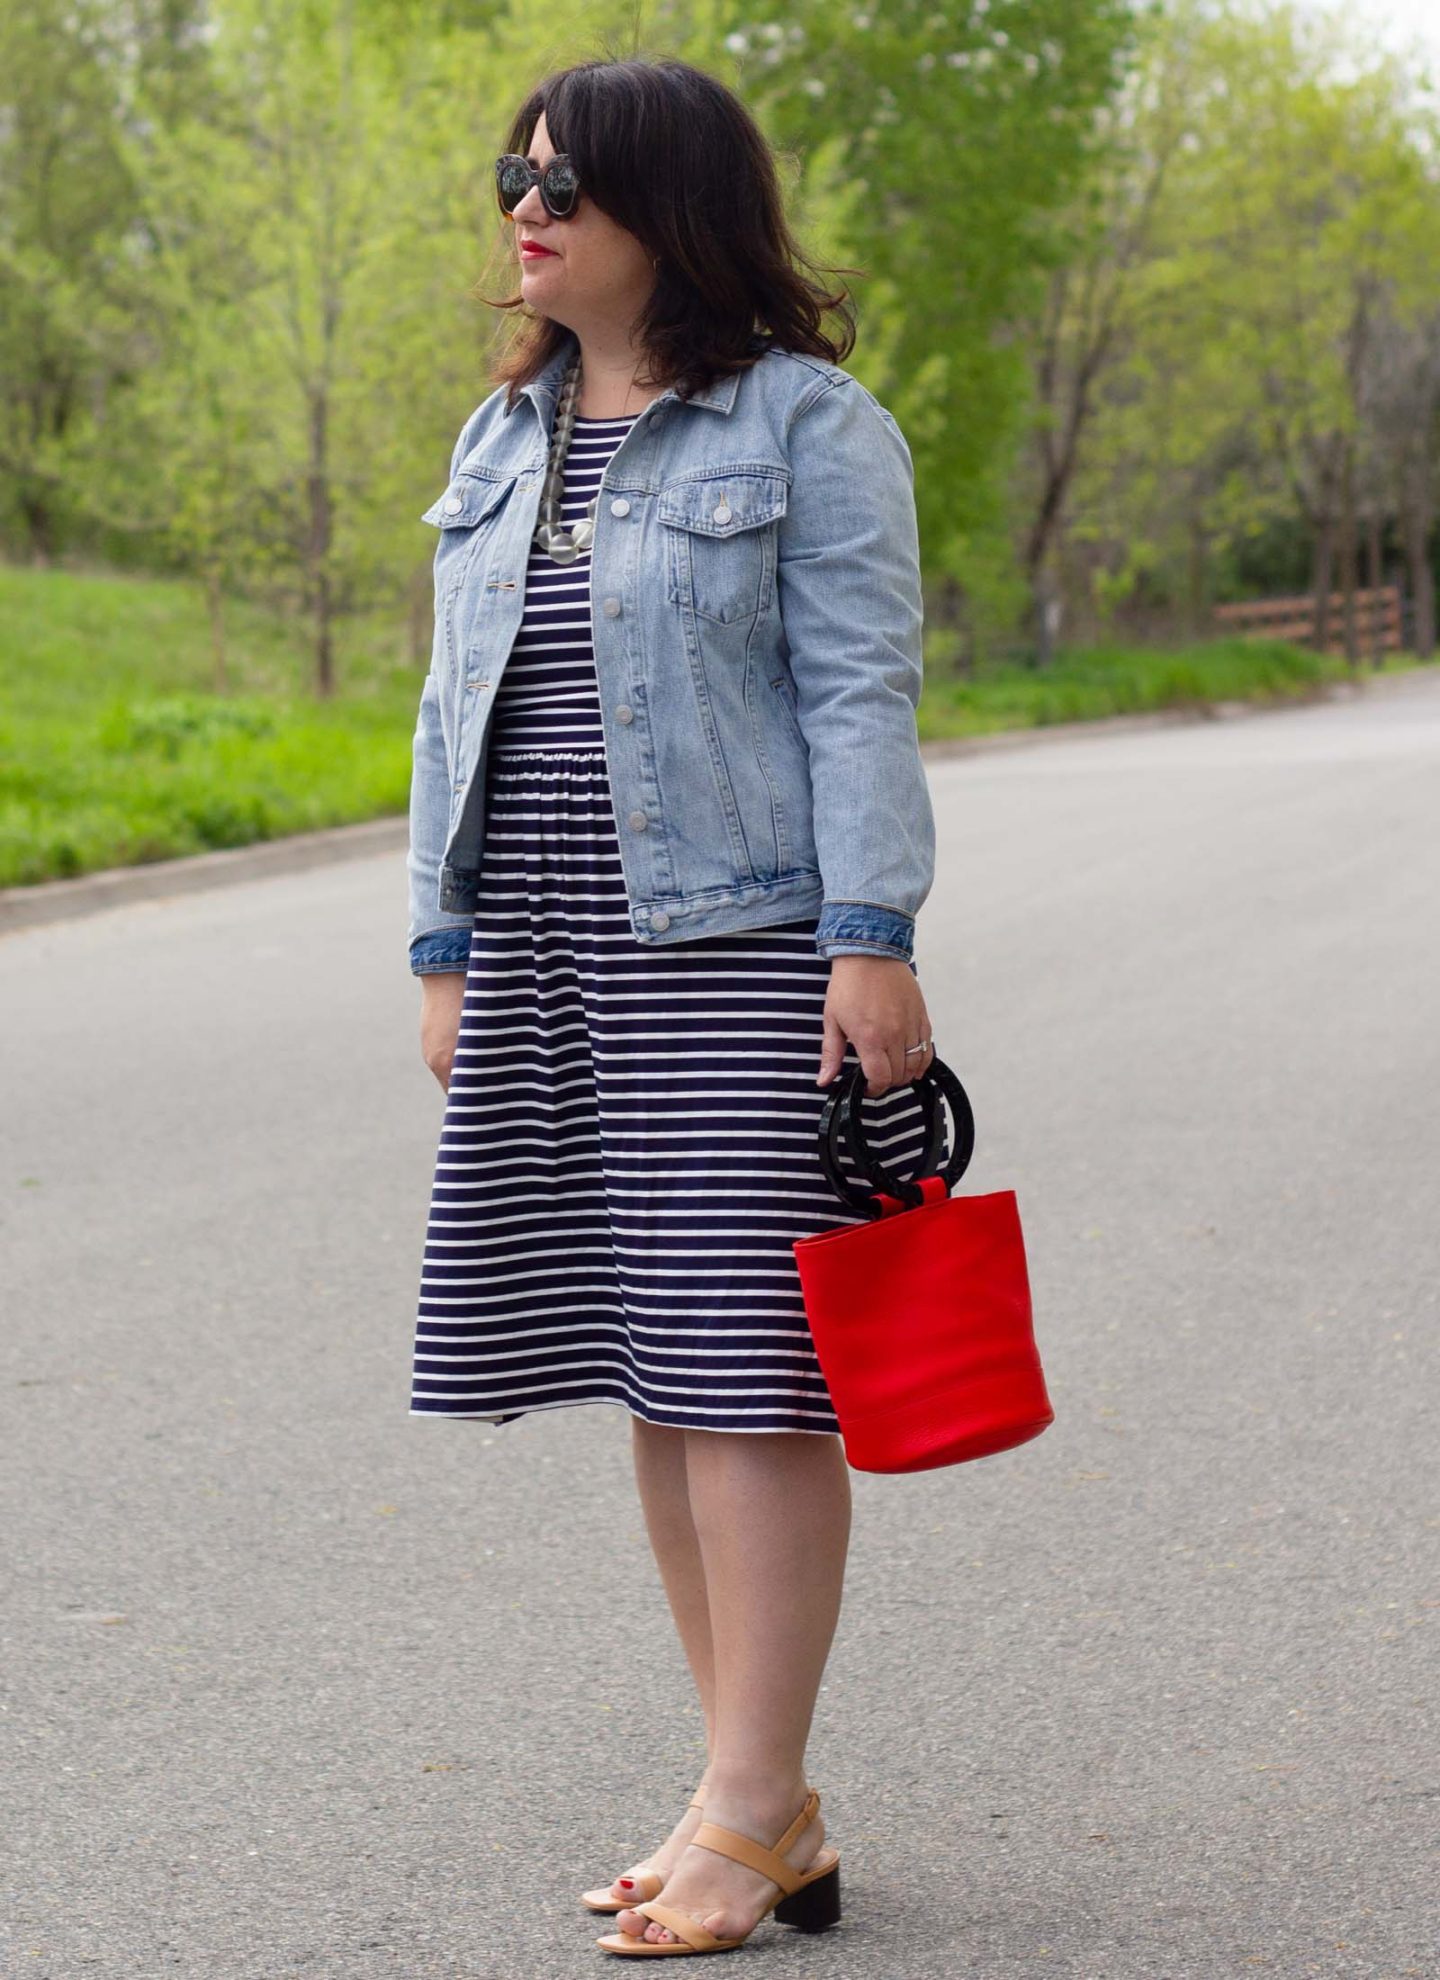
column 1379, row 620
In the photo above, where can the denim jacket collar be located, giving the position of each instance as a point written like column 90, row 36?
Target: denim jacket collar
column 544, row 388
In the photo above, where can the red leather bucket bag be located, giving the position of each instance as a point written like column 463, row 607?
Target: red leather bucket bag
column 921, row 1317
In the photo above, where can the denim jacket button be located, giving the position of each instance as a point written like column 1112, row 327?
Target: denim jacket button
column 619, row 507
column 659, row 919
column 453, row 504
column 611, row 608
column 624, row 713
column 638, row 821
column 722, row 512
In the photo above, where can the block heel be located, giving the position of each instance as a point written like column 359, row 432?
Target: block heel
column 813, row 1906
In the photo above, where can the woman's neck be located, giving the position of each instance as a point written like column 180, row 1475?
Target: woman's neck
column 610, row 382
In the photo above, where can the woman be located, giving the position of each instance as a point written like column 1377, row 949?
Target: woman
column 670, row 831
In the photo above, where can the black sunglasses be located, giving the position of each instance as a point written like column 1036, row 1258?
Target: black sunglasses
column 558, row 183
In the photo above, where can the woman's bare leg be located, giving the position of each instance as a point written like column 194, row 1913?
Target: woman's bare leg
column 660, row 1473
column 772, row 1516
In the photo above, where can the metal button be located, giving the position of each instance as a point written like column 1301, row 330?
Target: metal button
column 611, row 608
column 657, row 419
column 624, row 713
column 723, row 512
column 638, row 820
column 619, row 507
column 453, row 505
column 660, row 920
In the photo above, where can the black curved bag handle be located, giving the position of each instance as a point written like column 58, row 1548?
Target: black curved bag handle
column 842, row 1113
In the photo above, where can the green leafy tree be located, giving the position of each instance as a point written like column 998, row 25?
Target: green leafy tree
column 1289, row 227
column 941, row 145
column 307, row 264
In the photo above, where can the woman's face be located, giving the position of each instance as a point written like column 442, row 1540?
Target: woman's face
column 596, row 272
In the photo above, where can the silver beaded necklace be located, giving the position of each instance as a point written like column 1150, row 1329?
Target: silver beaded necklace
column 563, row 543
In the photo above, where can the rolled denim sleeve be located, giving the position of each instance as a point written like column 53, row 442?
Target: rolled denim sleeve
column 852, row 610
column 447, row 949
column 430, row 781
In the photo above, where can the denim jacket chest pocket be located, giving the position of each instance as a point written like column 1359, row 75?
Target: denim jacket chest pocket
column 466, row 515
column 720, row 533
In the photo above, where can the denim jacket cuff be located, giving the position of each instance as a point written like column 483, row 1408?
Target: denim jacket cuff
column 442, row 949
column 864, row 928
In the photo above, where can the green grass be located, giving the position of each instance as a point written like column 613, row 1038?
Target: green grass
column 1082, row 685
column 114, row 749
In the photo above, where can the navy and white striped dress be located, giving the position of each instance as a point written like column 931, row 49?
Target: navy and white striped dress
column 629, row 1142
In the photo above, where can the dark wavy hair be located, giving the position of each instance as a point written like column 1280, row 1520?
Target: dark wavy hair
column 674, row 156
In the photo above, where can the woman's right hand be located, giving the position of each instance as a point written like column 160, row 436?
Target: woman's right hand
column 442, row 996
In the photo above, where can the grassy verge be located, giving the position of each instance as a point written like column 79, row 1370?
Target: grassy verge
column 1114, row 680
column 114, row 750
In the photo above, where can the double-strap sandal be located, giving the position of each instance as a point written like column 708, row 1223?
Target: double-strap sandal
column 807, row 1899
column 648, row 1884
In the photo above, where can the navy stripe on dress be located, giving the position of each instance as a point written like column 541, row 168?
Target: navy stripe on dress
column 629, row 1142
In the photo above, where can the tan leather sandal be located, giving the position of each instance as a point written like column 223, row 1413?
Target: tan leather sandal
column 808, row 1899
column 648, row 1885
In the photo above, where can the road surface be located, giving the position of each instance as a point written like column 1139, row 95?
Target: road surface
column 299, row 1685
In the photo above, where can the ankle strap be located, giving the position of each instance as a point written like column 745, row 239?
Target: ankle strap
column 754, row 1855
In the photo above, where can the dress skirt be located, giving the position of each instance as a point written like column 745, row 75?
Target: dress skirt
column 629, row 1145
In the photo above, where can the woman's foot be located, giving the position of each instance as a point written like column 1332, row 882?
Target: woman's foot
column 664, row 1859
column 728, row 1898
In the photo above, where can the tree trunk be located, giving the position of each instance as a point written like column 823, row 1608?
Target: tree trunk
column 1374, row 582
column 969, row 648
column 1415, row 532
column 215, row 612
column 1323, row 558
column 1195, row 578
column 319, row 549
column 1041, row 618
column 1348, row 558
column 39, row 529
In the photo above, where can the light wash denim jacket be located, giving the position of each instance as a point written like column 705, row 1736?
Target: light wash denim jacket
column 756, row 615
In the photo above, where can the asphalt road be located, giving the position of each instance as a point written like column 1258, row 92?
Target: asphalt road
column 299, row 1685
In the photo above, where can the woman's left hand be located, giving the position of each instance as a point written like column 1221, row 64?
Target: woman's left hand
column 876, row 1003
